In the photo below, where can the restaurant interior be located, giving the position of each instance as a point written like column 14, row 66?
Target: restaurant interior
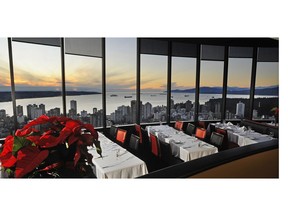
column 183, row 99
column 234, row 134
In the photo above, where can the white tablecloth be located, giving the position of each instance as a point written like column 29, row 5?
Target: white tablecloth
column 183, row 146
column 125, row 165
column 243, row 137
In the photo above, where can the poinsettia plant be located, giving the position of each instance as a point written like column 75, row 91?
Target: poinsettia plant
column 47, row 144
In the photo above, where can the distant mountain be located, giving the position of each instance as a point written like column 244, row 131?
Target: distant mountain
column 270, row 90
column 6, row 96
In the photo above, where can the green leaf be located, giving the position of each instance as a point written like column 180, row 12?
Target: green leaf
column 9, row 172
column 19, row 142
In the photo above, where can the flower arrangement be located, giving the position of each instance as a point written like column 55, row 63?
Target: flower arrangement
column 48, row 145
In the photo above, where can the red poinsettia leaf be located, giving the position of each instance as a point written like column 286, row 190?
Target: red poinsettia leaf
column 21, row 132
column 41, row 120
column 90, row 128
column 77, row 130
column 64, row 134
column 28, row 159
column 88, row 139
column 71, row 124
column 8, row 160
column 77, row 155
column 72, row 139
column 34, row 139
column 7, row 146
column 48, row 141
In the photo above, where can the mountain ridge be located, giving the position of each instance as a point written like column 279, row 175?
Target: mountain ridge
column 231, row 90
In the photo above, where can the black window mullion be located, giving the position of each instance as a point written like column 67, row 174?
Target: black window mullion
column 13, row 96
column 197, row 84
column 169, row 69
column 63, row 76
column 138, row 74
column 253, row 80
column 225, row 78
column 104, row 81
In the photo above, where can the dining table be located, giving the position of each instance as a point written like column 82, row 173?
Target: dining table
column 116, row 162
column 183, row 146
column 241, row 135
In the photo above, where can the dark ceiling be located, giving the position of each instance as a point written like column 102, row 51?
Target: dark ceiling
column 241, row 41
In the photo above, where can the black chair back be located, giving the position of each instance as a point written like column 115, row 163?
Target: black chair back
column 216, row 139
column 166, row 154
column 134, row 142
column 190, row 130
column 113, row 132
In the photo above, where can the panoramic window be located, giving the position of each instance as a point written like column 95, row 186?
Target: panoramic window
column 153, row 99
column 238, row 88
column 266, row 90
column 120, row 80
column 183, row 88
column 6, row 109
column 83, row 79
column 37, row 78
column 211, row 82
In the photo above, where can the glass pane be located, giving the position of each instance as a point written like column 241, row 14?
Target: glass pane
column 266, row 90
column 153, row 88
column 211, row 85
column 183, row 88
column 37, row 77
column 238, row 88
column 121, row 80
column 6, row 108
column 84, row 89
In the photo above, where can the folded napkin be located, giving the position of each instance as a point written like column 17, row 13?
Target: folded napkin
column 229, row 124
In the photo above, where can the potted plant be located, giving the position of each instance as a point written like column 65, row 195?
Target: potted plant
column 50, row 147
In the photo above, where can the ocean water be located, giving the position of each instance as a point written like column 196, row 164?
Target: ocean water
column 88, row 102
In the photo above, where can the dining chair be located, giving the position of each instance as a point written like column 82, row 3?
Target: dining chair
column 134, row 143
column 178, row 125
column 121, row 135
column 154, row 145
column 190, row 130
column 200, row 133
column 139, row 132
column 216, row 139
column 202, row 124
column 226, row 143
column 166, row 154
column 113, row 132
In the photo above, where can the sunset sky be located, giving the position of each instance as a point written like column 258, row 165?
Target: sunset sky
column 38, row 67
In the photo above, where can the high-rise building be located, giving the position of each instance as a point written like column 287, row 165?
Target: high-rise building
column 73, row 105
column 96, row 119
column 19, row 110
column 42, row 106
column 83, row 113
column 2, row 113
column 36, row 112
column 133, row 110
column 240, row 109
column 29, row 110
column 147, row 110
column 54, row 112
column 188, row 105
